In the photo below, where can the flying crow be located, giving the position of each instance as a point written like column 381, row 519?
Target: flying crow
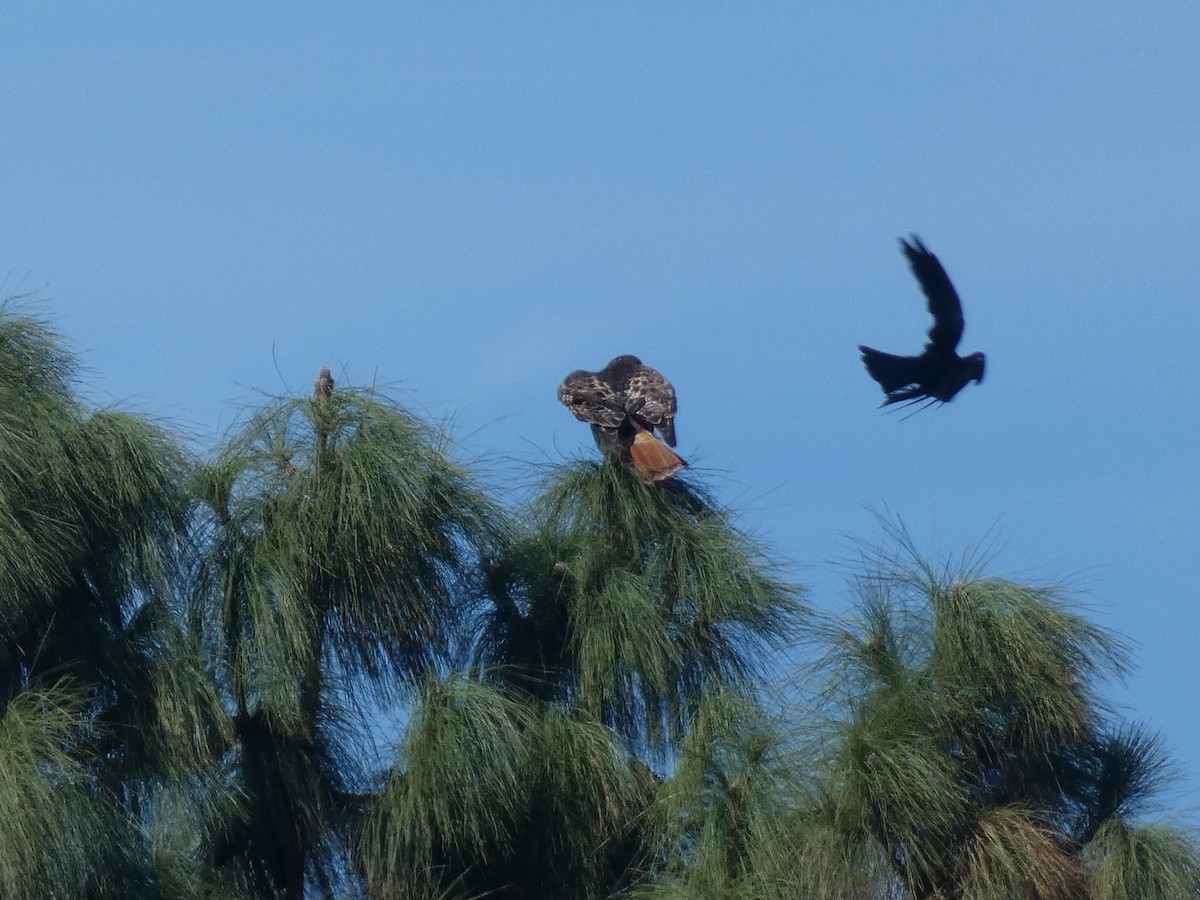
column 938, row 373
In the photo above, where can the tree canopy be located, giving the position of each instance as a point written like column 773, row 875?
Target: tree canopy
column 324, row 660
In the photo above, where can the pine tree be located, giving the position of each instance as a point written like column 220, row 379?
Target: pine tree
column 201, row 666
column 967, row 753
column 616, row 607
column 342, row 546
column 100, row 701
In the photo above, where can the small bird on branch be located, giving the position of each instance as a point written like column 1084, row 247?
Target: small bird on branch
column 323, row 385
column 322, row 390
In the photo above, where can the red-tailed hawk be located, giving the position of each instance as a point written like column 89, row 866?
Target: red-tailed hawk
column 939, row 372
column 624, row 403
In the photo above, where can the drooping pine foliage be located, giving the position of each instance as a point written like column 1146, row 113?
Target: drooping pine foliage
column 630, row 600
column 733, row 782
column 500, row 795
column 617, row 606
column 100, row 701
column 56, row 826
column 966, row 752
column 341, row 550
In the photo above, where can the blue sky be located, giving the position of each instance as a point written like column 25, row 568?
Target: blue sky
column 467, row 201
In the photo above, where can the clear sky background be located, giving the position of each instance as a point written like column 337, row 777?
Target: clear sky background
column 467, row 201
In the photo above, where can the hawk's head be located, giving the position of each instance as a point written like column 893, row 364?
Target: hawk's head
column 621, row 362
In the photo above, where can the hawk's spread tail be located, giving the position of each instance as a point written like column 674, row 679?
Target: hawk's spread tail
column 653, row 459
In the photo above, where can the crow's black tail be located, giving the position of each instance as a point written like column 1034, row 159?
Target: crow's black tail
column 892, row 372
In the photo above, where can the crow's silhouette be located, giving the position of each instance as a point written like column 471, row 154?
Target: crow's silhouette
column 939, row 372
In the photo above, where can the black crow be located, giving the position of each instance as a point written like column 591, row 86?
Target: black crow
column 938, row 373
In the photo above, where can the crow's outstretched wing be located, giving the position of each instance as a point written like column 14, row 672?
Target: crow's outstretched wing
column 944, row 304
column 591, row 399
column 651, row 398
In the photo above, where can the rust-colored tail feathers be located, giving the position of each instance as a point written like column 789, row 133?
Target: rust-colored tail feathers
column 653, row 459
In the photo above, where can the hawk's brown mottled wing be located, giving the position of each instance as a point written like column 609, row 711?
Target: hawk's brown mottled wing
column 591, row 399
column 650, row 398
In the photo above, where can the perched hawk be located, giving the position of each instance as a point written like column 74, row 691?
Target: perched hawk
column 939, row 372
column 624, row 403
column 323, row 386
